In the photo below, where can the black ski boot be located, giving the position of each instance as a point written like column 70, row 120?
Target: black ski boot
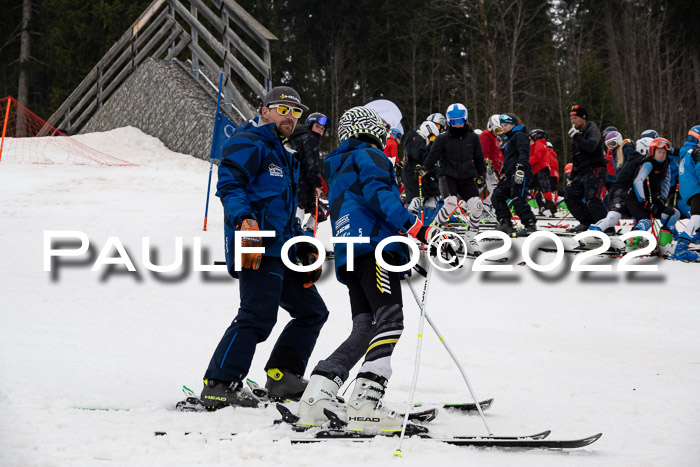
column 283, row 385
column 528, row 228
column 505, row 226
column 579, row 228
column 220, row 394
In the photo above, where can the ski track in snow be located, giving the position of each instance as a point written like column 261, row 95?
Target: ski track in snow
column 577, row 353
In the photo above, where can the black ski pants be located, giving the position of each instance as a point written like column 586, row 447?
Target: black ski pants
column 584, row 195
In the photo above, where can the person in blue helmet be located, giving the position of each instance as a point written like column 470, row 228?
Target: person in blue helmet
column 460, row 161
column 305, row 140
column 516, row 175
column 257, row 185
column 364, row 201
column 689, row 186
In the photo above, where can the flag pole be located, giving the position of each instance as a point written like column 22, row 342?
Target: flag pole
column 4, row 126
column 211, row 152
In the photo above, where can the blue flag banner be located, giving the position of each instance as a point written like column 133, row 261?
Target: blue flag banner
column 223, row 129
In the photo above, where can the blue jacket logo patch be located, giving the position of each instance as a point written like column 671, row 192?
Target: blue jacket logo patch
column 275, row 170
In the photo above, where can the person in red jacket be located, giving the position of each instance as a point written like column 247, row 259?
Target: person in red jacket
column 554, row 173
column 491, row 147
column 392, row 146
column 539, row 161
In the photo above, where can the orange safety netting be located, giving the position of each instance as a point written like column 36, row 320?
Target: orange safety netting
column 25, row 137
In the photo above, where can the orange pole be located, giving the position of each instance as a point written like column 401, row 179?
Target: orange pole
column 4, row 126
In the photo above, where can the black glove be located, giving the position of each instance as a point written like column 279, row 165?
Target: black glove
column 307, row 254
column 658, row 207
column 519, row 175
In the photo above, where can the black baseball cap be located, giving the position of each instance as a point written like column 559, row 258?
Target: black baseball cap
column 284, row 95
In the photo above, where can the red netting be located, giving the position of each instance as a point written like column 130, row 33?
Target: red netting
column 27, row 138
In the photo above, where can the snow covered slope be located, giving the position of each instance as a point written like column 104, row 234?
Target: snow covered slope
column 577, row 353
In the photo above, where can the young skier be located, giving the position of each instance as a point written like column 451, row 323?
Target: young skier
column 539, row 161
column 458, row 153
column 416, row 150
column 364, row 202
column 516, row 175
column 305, row 140
column 689, row 181
column 647, row 199
column 491, row 147
column 627, row 165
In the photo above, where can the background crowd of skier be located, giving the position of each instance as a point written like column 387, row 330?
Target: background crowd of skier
column 272, row 178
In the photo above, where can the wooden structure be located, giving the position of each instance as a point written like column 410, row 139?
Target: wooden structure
column 206, row 37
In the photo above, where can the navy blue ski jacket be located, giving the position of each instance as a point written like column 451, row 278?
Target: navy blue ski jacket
column 364, row 201
column 258, row 179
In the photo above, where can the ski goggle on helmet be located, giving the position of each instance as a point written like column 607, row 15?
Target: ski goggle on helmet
column 457, row 115
column 694, row 134
column 429, row 130
column 613, row 139
column 662, row 143
column 319, row 118
column 494, row 124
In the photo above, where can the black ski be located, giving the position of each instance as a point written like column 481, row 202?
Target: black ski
column 501, row 442
column 523, row 442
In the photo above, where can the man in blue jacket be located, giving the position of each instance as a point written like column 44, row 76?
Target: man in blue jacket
column 257, row 185
column 364, row 202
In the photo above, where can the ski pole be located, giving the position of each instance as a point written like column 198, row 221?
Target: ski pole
column 316, row 216
column 454, row 358
column 420, row 195
column 420, row 198
column 651, row 217
column 422, row 305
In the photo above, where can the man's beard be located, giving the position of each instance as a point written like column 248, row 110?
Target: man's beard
column 285, row 128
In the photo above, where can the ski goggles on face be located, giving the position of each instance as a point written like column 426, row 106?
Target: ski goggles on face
column 457, row 121
column 611, row 143
column 283, row 109
column 321, row 120
column 431, row 138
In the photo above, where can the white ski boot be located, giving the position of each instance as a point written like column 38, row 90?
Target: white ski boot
column 365, row 411
column 321, row 393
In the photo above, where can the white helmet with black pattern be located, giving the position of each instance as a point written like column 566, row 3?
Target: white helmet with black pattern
column 362, row 121
column 428, row 130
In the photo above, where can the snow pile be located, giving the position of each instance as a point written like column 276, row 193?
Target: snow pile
column 577, row 353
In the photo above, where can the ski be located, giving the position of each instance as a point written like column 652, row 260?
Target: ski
column 538, row 441
column 481, row 441
column 465, row 406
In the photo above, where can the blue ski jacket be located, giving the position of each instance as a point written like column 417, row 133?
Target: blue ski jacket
column 689, row 170
column 258, row 179
column 364, row 201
